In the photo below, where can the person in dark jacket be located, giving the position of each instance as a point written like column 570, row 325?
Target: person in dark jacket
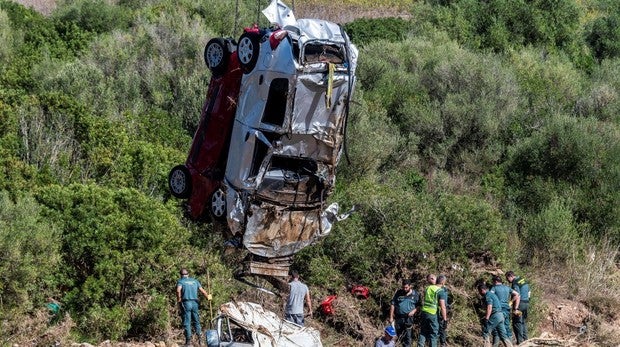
column 402, row 308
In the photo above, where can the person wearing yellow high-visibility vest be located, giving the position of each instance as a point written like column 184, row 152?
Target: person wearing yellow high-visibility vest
column 429, row 327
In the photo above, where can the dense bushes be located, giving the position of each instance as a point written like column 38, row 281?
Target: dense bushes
column 479, row 130
column 500, row 25
column 364, row 30
column 31, row 252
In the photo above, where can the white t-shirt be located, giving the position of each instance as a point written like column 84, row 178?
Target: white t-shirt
column 295, row 302
column 380, row 343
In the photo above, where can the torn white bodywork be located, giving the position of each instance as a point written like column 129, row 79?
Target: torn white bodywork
column 288, row 135
column 265, row 328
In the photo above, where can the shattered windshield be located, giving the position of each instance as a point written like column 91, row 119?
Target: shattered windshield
column 323, row 53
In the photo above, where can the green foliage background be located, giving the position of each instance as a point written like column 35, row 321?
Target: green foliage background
column 480, row 130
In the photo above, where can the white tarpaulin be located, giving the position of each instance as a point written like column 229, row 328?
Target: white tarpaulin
column 268, row 329
column 278, row 12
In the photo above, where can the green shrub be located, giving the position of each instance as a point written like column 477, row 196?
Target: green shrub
column 150, row 315
column 6, row 37
column 118, row 246
column 319, row 271
column 603, row 37
column 548, row 233
column 451, row 106
column 574, row 159
column 365, row 30
column 392, row 230
column 602, row 100
column 501, row 25
column 550, row 84
column 469, row 227
column 371, row 140
column 103, row 323
column 94, row 16
column 30, row 246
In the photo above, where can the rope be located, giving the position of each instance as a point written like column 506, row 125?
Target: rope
column 258, row 11
column 350, row 85
column 236, row 22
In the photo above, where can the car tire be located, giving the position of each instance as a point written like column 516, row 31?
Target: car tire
column 216, row 56
column 180, row 182
column 247, row 51
column 218, row 205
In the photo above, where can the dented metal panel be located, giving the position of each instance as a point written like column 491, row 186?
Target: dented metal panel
column 267, row 328
column 273, row 231
column 268, row 269
column 288, row 135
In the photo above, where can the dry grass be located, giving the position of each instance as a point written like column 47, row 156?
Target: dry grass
column 36, row 330
column 44, row 6
column 581, row 299
column 338, row 12
column 343, row 13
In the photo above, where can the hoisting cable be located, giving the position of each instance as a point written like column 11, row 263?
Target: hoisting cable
column 236, row 22
column 350, row 86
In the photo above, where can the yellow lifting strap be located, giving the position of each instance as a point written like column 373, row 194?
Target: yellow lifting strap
column 330, row 85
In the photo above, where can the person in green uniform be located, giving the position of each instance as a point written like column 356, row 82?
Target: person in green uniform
column 402, row 308
column 505, row 295
column 429, row 327
column 519, row 320
column 442, row 314
column 493, row 317
column 187, row 297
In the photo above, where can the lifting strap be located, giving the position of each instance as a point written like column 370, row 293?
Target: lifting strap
column 330, row 86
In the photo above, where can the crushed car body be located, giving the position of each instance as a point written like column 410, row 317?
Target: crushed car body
column 271, row 134
column 288, row 133
column 199, row 180
column 249, row 324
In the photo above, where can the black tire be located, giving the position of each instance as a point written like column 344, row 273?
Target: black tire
column 247, row 51
column 216, row 56
column 218, row 205
column 180, row 182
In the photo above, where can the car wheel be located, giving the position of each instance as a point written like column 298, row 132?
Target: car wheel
column 180, row 182
column 247, row 51
column 216, row 56
column 218, row 204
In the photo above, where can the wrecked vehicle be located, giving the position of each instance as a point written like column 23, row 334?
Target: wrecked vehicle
column 200, row 179
column 288, row 134
column 248, row 324
column 271, row 134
